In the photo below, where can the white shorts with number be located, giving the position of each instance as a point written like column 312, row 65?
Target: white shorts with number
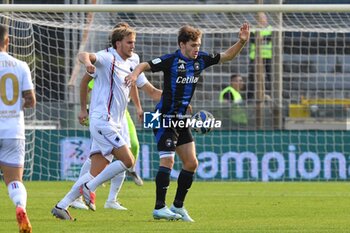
column 12, row 152
column 105, row 137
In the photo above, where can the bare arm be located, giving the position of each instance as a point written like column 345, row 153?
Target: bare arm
column 151, row 91
column 29, row 99
column 134, row 95
column 83, row 98
column 88, row 59
column 235, row 49
column 189, row 109
column 131, row 78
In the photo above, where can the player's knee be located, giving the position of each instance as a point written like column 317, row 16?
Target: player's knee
column 129, row 161
column 191, row 165
column 167, row 161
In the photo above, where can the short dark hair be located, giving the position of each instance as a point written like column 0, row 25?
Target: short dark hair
column 3, row 34
column 187, row 33
column 234, row 77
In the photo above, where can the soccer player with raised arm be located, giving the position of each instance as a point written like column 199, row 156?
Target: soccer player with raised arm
column 181, row 73
column 16, row 93
column 108, row 104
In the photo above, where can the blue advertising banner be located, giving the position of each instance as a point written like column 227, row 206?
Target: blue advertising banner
column 262, row 156
column 222, row 155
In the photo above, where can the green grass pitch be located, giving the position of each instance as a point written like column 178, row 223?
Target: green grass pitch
column 215, row 206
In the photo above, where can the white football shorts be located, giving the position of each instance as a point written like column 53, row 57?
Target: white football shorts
column 12, row 152
column 105, row 137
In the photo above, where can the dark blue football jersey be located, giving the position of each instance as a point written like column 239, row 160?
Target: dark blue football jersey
column 181, row 75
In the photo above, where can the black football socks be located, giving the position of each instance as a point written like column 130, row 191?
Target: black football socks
column 184, row 183
column 162, row 185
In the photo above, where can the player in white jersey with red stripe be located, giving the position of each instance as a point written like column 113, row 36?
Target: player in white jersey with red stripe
column 16, row 93
column 128, row 132
column 109, row 100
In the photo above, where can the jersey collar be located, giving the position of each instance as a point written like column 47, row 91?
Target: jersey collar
column 178, row 52
column 116, row 55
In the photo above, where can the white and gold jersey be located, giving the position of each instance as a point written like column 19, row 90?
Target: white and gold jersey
column 15, row 78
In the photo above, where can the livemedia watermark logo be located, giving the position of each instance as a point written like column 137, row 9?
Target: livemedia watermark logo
column 200, row 120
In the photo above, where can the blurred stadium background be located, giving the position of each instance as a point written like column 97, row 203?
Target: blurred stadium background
column 298, row 131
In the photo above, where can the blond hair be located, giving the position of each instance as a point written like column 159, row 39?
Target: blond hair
column 121, row 31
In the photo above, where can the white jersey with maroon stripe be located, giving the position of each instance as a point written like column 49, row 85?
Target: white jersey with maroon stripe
column 110, row 94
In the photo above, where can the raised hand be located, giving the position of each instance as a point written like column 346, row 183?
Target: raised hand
column 244, row 32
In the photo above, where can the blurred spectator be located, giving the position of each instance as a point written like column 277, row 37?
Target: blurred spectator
column 265, row 52
column 232, row 93
column 232, row 96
